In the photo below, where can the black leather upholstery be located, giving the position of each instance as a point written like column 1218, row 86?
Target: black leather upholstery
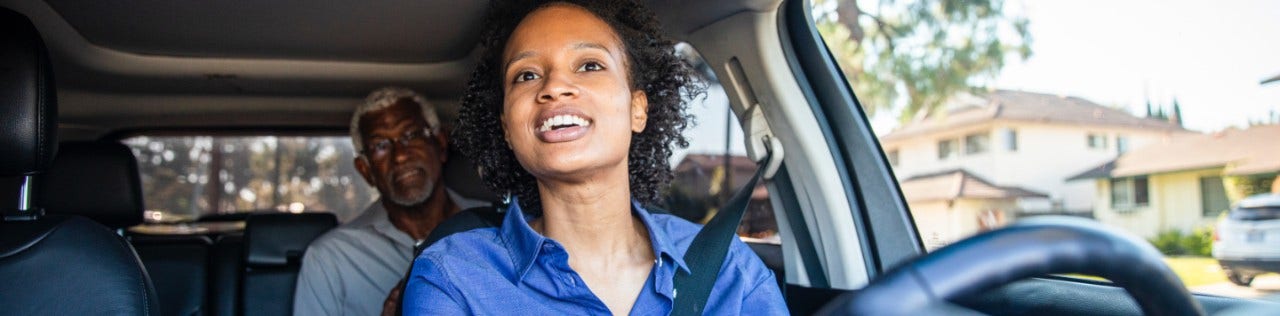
column 28, row 105
column 274, row 245
column 278, row 240
column 103, row 178
column 462, row 176
column 224, row 275
column 56, row 264
column 69, row 265
column 178, row 266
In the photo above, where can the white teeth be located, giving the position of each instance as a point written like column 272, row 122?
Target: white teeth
column 563, row 119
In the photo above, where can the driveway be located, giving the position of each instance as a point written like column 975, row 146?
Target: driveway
column 1265, row 287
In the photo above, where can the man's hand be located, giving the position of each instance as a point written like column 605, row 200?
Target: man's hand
column 391, row 306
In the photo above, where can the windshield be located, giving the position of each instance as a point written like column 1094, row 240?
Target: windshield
column 1148, row 116
column 1255, row 214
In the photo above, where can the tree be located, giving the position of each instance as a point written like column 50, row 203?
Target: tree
column 1176, row 116
column 912, row 55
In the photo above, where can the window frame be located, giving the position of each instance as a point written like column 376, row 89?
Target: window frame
column 952, row 151
column 1096, row 141
column 977, row 143
column 1138, row 193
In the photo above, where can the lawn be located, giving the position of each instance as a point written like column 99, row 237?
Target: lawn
column 1196, row 271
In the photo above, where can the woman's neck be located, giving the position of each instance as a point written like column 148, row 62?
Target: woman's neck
column 593, row 220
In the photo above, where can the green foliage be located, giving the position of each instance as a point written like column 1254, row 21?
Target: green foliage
column 1174, row 242
column 1239, row 187
column 912, row 55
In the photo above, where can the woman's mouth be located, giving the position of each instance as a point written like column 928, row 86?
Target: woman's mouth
column 563, row 128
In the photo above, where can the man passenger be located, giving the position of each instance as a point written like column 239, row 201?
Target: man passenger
column 401, row 150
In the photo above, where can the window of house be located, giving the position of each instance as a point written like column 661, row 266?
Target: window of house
column 1011, row 139
column 976, row 143
column 946, row 149
column 1097, row 141
column 1213, row 196
column 1122, row 145
column 893, row 157
column 1129, row 193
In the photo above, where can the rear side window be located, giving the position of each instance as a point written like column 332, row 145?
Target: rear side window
column 185, row 178
column 1255, row 214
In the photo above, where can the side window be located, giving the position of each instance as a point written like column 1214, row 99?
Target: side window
column 715, row 165
column 185, row 178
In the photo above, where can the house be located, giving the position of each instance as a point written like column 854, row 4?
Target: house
column 956, row 203
column 698, row 189
column 1018, row 141
column 1185, row 183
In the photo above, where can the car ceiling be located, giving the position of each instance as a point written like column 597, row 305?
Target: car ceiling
column 143, row 64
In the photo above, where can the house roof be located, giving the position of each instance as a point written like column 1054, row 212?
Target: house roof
column 959, row 184
column 1240, row 152
column 1025, row 107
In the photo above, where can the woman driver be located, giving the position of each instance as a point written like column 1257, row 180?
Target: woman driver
column 573, row 110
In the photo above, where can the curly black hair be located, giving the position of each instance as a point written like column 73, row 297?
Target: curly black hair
column 652, row 65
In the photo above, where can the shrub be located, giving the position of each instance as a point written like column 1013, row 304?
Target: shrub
column 1174, row 242
column 1169, row 242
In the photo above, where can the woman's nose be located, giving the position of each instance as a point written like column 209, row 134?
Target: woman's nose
column 557, row 86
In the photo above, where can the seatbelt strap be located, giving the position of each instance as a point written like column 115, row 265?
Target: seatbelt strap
column 709, row 247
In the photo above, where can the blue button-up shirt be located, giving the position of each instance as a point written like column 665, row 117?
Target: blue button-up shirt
column 513, row 270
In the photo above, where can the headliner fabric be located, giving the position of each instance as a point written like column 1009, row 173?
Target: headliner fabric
column 396, row 31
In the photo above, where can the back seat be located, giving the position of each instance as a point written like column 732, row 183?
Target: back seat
column 274, row 245
column 104, row 178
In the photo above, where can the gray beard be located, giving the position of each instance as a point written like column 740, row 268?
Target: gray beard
column 414, row 199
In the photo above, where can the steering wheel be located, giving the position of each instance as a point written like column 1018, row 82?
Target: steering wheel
column 1035, row 247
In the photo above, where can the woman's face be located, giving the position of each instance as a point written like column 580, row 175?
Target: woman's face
column 569, row 110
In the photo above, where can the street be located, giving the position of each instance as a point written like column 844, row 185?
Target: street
column 1265, row 287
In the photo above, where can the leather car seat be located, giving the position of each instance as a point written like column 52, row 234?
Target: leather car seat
column 103, row 176
column 274, row 246
column 54, row 264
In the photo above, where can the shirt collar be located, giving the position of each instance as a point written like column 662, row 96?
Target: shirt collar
column 375, row 217
column 524, row 244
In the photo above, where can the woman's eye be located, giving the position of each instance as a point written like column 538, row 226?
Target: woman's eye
column 591, row 66
column 525, row 76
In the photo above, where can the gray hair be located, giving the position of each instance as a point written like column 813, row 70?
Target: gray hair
column 383, row 98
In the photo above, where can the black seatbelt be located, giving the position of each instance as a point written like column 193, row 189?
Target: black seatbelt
column 709, row 247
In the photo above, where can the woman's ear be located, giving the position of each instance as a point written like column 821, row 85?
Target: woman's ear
column 639, row 110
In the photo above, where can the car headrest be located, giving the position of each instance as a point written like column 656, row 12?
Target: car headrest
column 29, row 112
column 98, row 180
column 462, row 176
column 279, row 239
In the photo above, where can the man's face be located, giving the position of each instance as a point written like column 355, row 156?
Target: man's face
column 401, row 156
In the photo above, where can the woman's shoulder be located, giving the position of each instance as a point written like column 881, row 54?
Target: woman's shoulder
column 464, row 247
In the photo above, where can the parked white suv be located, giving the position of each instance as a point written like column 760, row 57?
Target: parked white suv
column 1247, row 242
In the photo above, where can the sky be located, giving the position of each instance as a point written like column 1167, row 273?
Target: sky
column 1210, row 55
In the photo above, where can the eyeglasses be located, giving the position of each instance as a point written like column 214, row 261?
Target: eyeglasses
column 380, row 147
